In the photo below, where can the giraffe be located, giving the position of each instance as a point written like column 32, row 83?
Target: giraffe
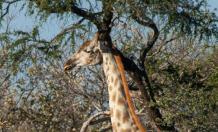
column 90, row 53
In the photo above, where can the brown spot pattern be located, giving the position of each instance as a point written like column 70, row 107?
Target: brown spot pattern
column 118, row 124
column 106, row 62
column 125, row 118
column 114, row 127
column 107, row 68
column 113, row 98
column 115, row 81
column 120, row 101
column 111, row 112
column 125, row 130
column 118, row 114
column 110, row 87
column 112, row 79
column 112, row 68
column 106, row 59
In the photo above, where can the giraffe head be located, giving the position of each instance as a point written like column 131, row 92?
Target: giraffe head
column 88, row 54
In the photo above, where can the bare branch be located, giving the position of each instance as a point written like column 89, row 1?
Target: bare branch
column 138, row 14
column 9, row 3
column 91, row 122
column 88, row 15
column 86, row 124
column 164, row 44
column 146, row 21
column 100, row 120
column 93, row 17
column 141, row 18
column 5, row 79
column 67, row 30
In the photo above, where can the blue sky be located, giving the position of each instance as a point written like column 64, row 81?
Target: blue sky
column 213, row 3
column 53, row 26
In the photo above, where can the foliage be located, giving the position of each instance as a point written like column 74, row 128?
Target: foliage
column 36, row 95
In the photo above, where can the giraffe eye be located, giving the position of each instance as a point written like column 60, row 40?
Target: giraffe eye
column 88, row 51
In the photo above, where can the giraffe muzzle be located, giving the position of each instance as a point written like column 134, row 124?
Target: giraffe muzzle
column 69, row 65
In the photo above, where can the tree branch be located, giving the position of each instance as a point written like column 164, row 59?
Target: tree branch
column 138, row 14
column 87, row 15
column 69, row 7
column 146, row 21
column 86, row 124
column 67, row 30
column 9, row 3
column 154, row 112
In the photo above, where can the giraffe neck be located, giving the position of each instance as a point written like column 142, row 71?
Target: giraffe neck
column 120, row 116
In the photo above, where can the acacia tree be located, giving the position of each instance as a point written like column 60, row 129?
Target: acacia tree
column 179, row 19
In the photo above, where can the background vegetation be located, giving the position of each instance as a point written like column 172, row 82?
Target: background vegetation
column 182, row 66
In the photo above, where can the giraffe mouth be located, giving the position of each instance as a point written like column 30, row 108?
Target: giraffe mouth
column 69, row 65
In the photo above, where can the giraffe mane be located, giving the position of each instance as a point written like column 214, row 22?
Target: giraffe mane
column 127, row 93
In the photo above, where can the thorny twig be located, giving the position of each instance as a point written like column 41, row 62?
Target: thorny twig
column 86, row 124
column 9, row 3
